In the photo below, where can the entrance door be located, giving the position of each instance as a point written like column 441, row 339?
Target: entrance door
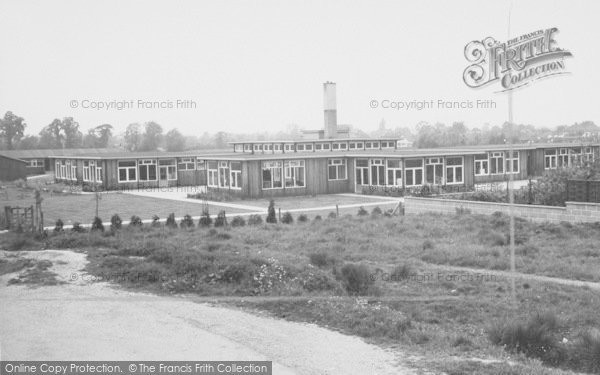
column 163, row 173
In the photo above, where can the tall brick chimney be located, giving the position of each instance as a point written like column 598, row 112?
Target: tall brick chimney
column 329, row 104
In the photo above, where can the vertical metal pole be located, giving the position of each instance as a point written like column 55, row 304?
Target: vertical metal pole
column 511, row 196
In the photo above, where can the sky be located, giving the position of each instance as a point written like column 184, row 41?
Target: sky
column 250, row 66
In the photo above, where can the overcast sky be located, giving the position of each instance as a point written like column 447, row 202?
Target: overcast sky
column 260, row 65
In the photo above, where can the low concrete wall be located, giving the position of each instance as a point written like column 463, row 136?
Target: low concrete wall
column 575, row 212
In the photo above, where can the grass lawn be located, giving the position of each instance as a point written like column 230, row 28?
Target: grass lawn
column 379, row 278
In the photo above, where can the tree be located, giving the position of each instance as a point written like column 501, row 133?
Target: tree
column 152, row 136
column 174, row 140
column 11, row 129
column 133, row 137
column 29, row 142
column 99, row 136
column 51, row 136
column 73, row 136
column 221, row 140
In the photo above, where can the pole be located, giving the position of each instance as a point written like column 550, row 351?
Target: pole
column 511, row 196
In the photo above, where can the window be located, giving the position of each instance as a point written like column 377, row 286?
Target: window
column 289, row 147
column 73, row 170
column 200, row 164
column 377, row 172
column 294, row 173
column 86, row 170
column 388, row 144
column 497, row 163
column 61, row 169
column 271, row 175
column 98, row 172
column 213, row 174
column 481, row 165
column 454, row 170
column 368, row 145
column 186, row 164
column 414, row 172
column 237, row 148
column 127, row 171
column 247, row 148
column 394, row 172
column 588, row 154
column 268, row 147
column 147, row 170
column 318, row 146
column 58, row 169
column 277, row 147
column 563, row 157
column 168, row 169
column 223, row 174
column 340, row 146
column 326, row 146
column 360, row 146
column 375, row 144
column 309, row 147
column 575, row 156
column 236, row 175
column 352, row 146
column 512, row 163
column 335, row 146
column 300, row 147
column 35, row 163
column 549, row 159
column 336, row 169
column 362, row 171
column 434, row 171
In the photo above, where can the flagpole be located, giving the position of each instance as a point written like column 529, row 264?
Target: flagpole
column 511, row 196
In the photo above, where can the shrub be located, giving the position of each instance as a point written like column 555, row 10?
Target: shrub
column 155, row 221
column 58, row 226
column 186, row 222
column 535, row 338
column 97, row 225
column 115, row 223
column 332, row 215
column 205, row 219
column 585, row 354
column 238, row 221
column 321, row 259
column 77, row 228
column 318, row 218
column 255, row 220
column 271, row 217
column 287, row 218
column 356, row 279
column 376, row 211
column 170, row 223
column 302, row 218
column 135, row 222
column 401, row 272
column 362, row 211
column 221, row 219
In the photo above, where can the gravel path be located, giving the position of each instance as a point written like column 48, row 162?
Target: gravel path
column 95, row 321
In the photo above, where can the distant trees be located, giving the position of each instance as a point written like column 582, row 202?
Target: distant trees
column 63, row 133
column 133, row 137
column 12, row 128
column 152, row 136
column 175, row 141
column 98, row 137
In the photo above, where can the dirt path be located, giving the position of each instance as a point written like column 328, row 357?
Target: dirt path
column 79, row 320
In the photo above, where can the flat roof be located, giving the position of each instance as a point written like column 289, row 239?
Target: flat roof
column 355, row 139
column 259, row 155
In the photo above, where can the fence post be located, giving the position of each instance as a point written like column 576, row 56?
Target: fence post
column 279, row 214
column 337, row 211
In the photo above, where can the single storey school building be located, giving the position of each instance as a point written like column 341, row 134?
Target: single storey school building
column 324, row 166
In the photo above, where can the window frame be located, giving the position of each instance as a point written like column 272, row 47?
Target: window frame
column 127, row 170
column 340, row 166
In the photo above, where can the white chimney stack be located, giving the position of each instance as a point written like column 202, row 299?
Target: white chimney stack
column 329, row 104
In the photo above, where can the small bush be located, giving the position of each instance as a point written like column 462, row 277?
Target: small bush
column 536, row 338
column 357, row 279
column 255, row 220
column 221, row 220
column 362, row 211
column 271, row 217
column 77, row 228
column 135, row 222
column 115, row 223
column 186, row 222
column 287, row 218
column 238, row 221
column 318, row 218
column 402, row 272
column 205, row 219
column 321, row 259
column 332, row 215
column 155, row 221
column 376, row 211
column 585, row 354
column 97, row 225
column 58, row 226
column 462, row 211
column 170, row 223
column 302, row 218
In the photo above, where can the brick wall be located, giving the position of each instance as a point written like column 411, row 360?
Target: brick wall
column 574, row 212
